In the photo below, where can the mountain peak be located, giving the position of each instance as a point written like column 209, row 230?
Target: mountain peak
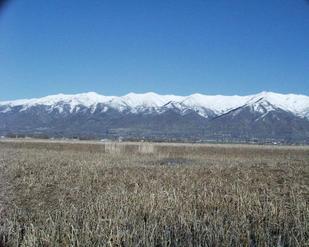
column 135, row 102
column 153, row 115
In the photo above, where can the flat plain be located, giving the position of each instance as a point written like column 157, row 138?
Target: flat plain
column 56, row 193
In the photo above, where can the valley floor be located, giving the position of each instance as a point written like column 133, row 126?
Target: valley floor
column 143, row 194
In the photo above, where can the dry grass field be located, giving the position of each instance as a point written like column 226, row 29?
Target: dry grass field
column 131, row 194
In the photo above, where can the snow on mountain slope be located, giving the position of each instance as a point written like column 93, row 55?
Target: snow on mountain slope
column 217, row 103
column 86, row 99
column 202, row 104
column 149, row 99
column 268, row 101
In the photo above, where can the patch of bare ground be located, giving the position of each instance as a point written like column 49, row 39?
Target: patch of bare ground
column 87, row 194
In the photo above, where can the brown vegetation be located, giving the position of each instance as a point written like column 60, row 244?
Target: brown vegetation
column 130, row 194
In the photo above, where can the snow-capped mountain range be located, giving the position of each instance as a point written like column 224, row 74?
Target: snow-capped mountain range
column 151, row 102
column 262, row 116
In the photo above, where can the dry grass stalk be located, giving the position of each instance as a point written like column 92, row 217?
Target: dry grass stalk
column 129, row 194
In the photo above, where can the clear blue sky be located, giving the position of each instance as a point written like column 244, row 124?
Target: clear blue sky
column 167, row 46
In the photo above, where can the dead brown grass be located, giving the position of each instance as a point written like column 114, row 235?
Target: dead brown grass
column 87, row 194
